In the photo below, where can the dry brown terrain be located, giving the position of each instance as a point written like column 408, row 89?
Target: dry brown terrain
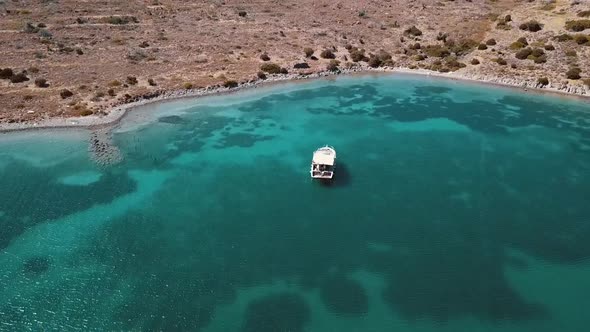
column 104, row 52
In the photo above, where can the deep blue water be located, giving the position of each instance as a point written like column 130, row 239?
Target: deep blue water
column 455, row 207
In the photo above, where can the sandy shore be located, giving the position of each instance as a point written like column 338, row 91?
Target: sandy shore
column 115, row 114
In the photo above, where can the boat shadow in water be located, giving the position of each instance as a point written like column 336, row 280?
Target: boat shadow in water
column 342, row 177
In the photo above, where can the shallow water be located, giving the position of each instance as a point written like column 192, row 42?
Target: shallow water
column 455, row 208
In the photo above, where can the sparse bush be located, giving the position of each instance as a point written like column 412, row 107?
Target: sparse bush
column 508, row 18
column 374, row 61
column 563, row 37
column 151, row 82
column 261, row 75
column 415, row 46
column 581, row 39
column 333, row 65
column 462, row 47
column 136, row 55
column 43, row 33
column 41, row 83
column 573, row 73
column 577, row 25
column 283, row 71
column 301, row 65
column 491, row 42
column 474, row 62
column 571, row 53
column 419, row 57
column 111, row 92
column 33, row 70
column 6, row 73
column 187, row 85
column 86, row 112
column 436, row 51
column 264, row 57
column 19, row 78
column 65, row 93
column 413, row 31
column 550, row 47
column 131, row 80
column 500, row 61
column 586, row 82
column 584, row 13
column 540, row 59
column 271, row 68
column 79, row 51
column 230, row 84
column 114, row 83
column 30, row 28
column 482, row 47
column 532, row 26
column 357, row 55
column 242, row 13
column 308, row 52
column 327, row 54
column 120, row 20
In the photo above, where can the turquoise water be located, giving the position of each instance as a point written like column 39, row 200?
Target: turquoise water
column 455, row 208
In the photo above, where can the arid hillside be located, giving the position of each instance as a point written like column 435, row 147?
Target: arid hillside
column 68, row 57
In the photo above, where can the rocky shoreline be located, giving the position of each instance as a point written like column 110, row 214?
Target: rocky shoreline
column 116, row 113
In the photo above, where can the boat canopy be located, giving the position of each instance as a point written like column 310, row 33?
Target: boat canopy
column 324, row 157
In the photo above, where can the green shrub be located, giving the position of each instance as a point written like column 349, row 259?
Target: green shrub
column 357, row 55
column 491, row 42
column 230, row 84
column 308, row 52
column 573, row 73
column 523, row 53
column 584, row 13
column 438, row 51
column 537, row 52
column 508, row 18
column 333, row 65
column 532, row 26
column 374, row 61
column 271, row 68
column 413, row 31
column 283, row 71
column 187, row 85
column 500, row 61
column 474, row 62
column 540, row 59
column 482, row 47
column 563, row 37
column 581, row 39
column 462, row 47
column 151, row 82
column 550, row 47
column 114, row 83
column 111, row 92
column 571, row 53
column 419, row 57
column 517, row 45
column 543, row 81
column 577, row 25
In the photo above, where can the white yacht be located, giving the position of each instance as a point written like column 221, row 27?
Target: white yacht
column 323, row 163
